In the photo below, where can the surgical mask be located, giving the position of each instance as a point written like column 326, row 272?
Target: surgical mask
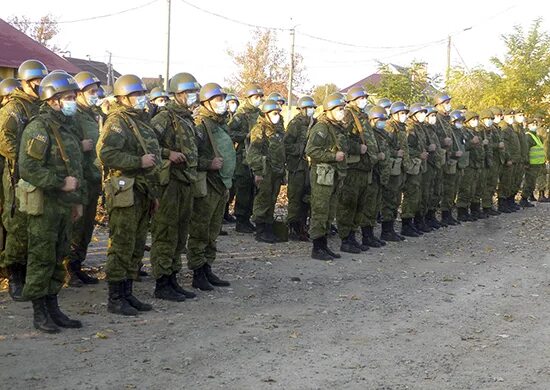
column 92, row 100
column 474, row 123
column 420, row 117
column 191, row 99
column 509, row 120
column 274, row 117
column 220, row 107
column 402, row 117
column 533, row 128
column 68, row 107
column 310, row 112
column 447, row 107
column 161, row 103
column 232, row 106
column 338, row 115
column 380, row 125
column 488, row 122
column 458, row 125
column 141, row 102
column 520, row 118
column 432, row 119
column 256, row 101
column 361, row 103
column 498, row 119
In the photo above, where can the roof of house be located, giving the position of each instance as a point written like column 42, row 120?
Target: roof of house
column 373, row 79
column 16, row 47
column 100, row 69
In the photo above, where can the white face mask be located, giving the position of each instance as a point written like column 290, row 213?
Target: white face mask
column 140, row 102
column 474, row 123
column 220, row 107
column 520, row 118
column 161, row 103
column 92, row 100
column 361, row 102
column 488, row 122
column 420, row 116
column 338, row 114
column 232, row 106
column 191, row 99
column 256, row 101
column 274, row 117
column 509, row 119
column 498, row 119
column 447, row 107
column 458, row 125
column 432, row 119
column 402, row 117
column 310, row 111
column 532, row 127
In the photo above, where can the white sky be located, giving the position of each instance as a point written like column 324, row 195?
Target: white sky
column 137, row 38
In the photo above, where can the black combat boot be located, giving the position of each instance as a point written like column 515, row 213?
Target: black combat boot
column 462, row 214
column 415, row 224
column 117, row 304
column 474, row 212
column 543, row 198
column 431, row 220
column 42, row 320
column 512, row 204
column 490, row 212
column 75, row 271
column 132, row 300
column 176, row 286
column 227, row 217
column 213, row 279
column 244, row 226
column 503, row 206
column 525, row 203
column 265, row 234
column 328, row 250
column 407, row 228
column 388, row 233
column 294, row 231
column 350, row 244
column 16, row 281
column 60, row 318
column 200, row 281
column 446, row 218
column 422, row 225
column 164, row 290
column 318, row 251
column 480, row 213
column 368, row 239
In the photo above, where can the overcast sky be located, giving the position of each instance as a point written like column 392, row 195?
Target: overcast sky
column 409, row 30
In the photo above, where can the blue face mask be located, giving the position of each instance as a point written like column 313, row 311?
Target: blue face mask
column 68, row 107
column 381, row 125
column 92, row 100
column 141, row 102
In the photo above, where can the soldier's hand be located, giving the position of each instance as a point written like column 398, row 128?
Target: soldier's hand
column 87, row 145
column 501, row 145
column 448, row 141
column 400, row 153
column 458, row 153
column 475, row 140
column 77, row 212
column 423, row 155
column 155, row 204
column 509, row 163
column 148, row 161
column 381, row 156
column 431, row 147
column 217, row 164
column 485, row 142
column 258, row 179
column 70, row 184
column 340, row 156
column 363, row 149
column 176, row 157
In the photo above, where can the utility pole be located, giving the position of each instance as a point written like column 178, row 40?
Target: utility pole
column 291, row 73
column 166, row 78
column 110, row 80
column 448, row 71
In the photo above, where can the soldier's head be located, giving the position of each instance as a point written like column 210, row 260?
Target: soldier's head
column 307, row 106
column 7, row 86
column 333, row 106
column 442, row 102
column 185, row 88
column 519, row 117
column 277, row 97
column 377, row 117
column 130, row 92
column 532, row 124
column 487, row 117
column 232, row 102
column 31, row 73
column 58, row 90
column 431, row 114
column 509, row 116
column 212, row 97
column 254, row 94
column 417, row 112
column 385, row 103
column 471, row 119
column 89, row 85
column 498, row 115
column 158, row 97
column 399, row 112
column 357, row 96
column 456, row 118
column 271, row 110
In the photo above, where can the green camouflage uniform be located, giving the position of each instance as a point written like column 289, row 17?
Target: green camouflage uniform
column 266, row 158
column 380, row 177
column 412, row 193
column 207, row 214
column 487, row 159
column 120, row 152
column 512, row 148
column 542, row 183
column 170, row 225
column 430, row 193
column 470, row 178
column 298, row 188
column 494, row 161
column 14, row 116
column 520, row 169
column 41, row 164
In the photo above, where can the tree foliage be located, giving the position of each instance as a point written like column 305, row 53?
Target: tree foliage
column 320, row 92
column 42, row 31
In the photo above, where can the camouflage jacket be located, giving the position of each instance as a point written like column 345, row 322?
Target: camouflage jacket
column 87, row 127
column 324, row 140
column 357, row 136
column 477, row 153
column 398, row 135
column 267, row 148
column 512, row 145
column 295, row 142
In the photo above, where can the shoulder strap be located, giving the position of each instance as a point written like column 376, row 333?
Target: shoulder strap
column 132, row 124
column 359, row 126
column 210, row 137
column 55, row 130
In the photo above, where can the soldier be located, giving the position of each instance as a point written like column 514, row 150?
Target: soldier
column 397, row 160
column 361, row 150
column 50, row 164
column 277, row 97
column 266, row 158
column 493, row 162
column 232, row 106
column 542, row 182
column 328, row 168
column 385, row 103
column 412, row 193
column 512, row 147
column 21, row 107
column 175, row 131
column 7, row 86
column 298, row 170
column 519, row 128
column 431, row 180
column 130, row 153
column 87, row 130
column 159, row 97
column 239, row 129
column 537, row 159
column 217, row 160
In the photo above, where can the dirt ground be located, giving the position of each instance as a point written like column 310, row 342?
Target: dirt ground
column 461, row 308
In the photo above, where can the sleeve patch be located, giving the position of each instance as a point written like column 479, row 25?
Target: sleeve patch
column 36, row 147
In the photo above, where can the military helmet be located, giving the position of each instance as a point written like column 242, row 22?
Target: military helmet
column 368, row 107
column 231, row 96
column 519, row 111
column 356, row 93
column 377, row 112
column 469, row 115
column 509, row 111
column 210, row 91
column 84, row 79
column 333, row 100
column 127, row 84
column 398, row 107
column 8, row 85
column 441, row 98
column 253, row 89
column 496, row 110
column 55, row 83
column 533, row 119
column 183, row 82
column 306, row 102
column 430, row 109
column 416, row 108
column 270, row 105
column 456, row 115
column 277, row 97
column 157, row 92
column 32, row 69
column 385, row 103
column 486, row 114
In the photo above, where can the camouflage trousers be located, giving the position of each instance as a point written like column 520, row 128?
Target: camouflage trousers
column 449, row 190
column 467, row 187
column 323, row 205
column 491, row 183
column 298, row 192
column 391, row 198
column 531, row 174
column 481, row 186
column 373, row 202
column 505, row 185
column 16, row 224
column 437, row 190
column 352, row 201
column 263, row 210
column 83, row 228
column 412, row 195
column 519, row 174
column 245, row 189
column 542, row 182
column 427, row 183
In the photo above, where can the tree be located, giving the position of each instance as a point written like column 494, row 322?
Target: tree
column 320, row 92
column 42, row 31
column 476, row 89
column 263, row 62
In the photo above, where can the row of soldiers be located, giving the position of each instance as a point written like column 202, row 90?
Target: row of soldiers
column 171, row 163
